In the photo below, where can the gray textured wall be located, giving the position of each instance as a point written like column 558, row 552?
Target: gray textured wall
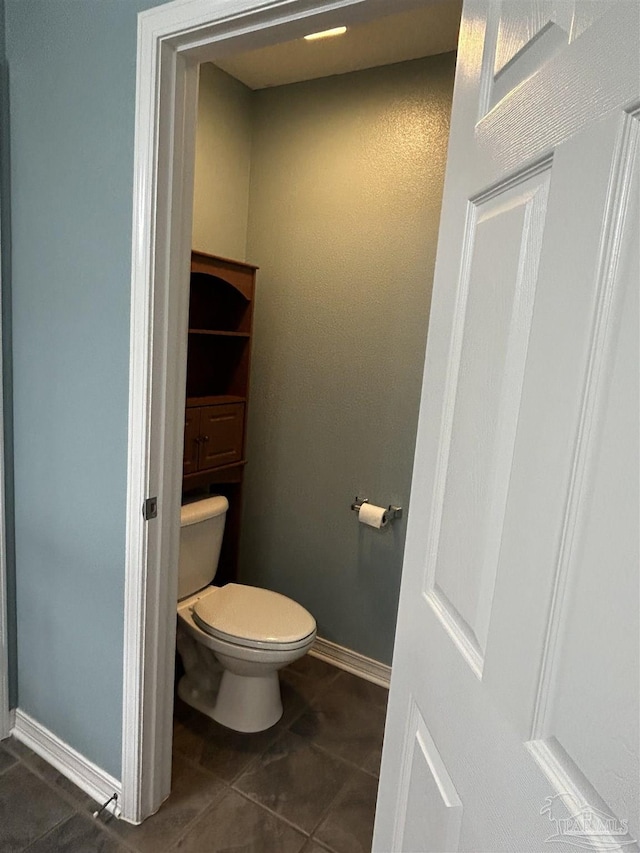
column 223, row 164
column 346, row 184
column 72, row 90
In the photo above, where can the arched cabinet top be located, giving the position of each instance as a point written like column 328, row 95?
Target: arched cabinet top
column 238, row 274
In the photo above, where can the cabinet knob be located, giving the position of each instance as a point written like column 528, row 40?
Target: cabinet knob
column 204, row 438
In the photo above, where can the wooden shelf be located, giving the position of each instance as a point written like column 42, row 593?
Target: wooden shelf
column 214, row 400
column 216, row 260
column 219, row 333
column 214, row 476
column 218, row 364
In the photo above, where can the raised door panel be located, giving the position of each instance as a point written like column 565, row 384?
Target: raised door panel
column 504, row 236
column 428, row 804
column 588, row 702
column 221, row 433
column 526, row 42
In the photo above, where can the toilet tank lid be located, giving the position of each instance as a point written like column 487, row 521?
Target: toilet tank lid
column 202, row 510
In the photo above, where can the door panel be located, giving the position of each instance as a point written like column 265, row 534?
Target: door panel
column 530, row 34
column 535, row 114
column 221, row 430
column 505, row 235
column 433, row 808
column 594, row 671
column 514, row 706
column 543, row 479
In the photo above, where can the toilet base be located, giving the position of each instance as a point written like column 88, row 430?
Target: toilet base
column 248, row 703
column 192, row 695
column 244, row 704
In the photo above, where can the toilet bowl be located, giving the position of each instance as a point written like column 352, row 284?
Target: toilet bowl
column 232, row 639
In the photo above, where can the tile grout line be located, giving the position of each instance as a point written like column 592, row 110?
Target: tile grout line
column 325, row 814
column 195, row 765
column 102, row 829
column 215, row 802
column 71, row 801
column 9, row 766
column 46, row 833
column 273, row 814
column 111, row 833
column 347, row 761
column 354, row 770
column 67, row 798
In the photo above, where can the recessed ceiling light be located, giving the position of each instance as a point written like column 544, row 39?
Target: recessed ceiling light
column 325, row 34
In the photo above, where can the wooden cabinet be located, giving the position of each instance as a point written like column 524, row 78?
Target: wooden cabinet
column 218, row 362
column 213, row 436
column 191, row 442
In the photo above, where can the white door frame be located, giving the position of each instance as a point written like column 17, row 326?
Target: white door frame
column 172, row 40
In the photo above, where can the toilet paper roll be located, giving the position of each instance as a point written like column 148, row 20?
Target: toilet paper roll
column 374, row 516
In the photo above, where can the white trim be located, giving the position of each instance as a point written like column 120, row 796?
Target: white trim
column 172, row 39
column 5, row 717
column 165, row 123
column 5, row 714
column 100, row 786
column 353, row 662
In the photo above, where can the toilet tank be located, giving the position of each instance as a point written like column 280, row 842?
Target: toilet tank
column 201, row 529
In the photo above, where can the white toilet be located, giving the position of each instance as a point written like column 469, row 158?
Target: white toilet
column 232, row 639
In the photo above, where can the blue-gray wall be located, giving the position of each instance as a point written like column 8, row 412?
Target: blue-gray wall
column 346, row 185
column 72, row 93
column 223, row 164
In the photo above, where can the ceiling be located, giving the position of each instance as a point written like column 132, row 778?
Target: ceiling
column 426, row 30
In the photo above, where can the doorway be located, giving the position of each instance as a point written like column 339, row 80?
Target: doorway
column 169, row 50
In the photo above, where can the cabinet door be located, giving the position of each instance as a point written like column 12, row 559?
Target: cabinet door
column 221, row 430
column 191, row 441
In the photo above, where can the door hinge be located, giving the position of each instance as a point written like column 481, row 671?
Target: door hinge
column 150, row 509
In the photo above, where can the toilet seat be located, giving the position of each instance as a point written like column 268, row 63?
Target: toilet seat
column 253, row 617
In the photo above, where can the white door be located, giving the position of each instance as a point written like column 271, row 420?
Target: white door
column 514, row 706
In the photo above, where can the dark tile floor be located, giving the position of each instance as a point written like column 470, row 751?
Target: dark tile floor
column 307, row 785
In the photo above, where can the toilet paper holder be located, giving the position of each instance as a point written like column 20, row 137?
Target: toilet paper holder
column 391, row 513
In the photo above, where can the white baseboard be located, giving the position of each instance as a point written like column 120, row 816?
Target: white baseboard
column 90, row 778
column 353, row 662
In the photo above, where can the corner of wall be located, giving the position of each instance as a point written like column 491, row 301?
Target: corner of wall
column 7, row 385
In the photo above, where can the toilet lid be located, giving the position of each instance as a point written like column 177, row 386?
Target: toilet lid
column 250, row 616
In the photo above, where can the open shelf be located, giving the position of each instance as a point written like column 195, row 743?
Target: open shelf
column 220, row 333
column 215, row 303
column 217, row 365
column 214, row 400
